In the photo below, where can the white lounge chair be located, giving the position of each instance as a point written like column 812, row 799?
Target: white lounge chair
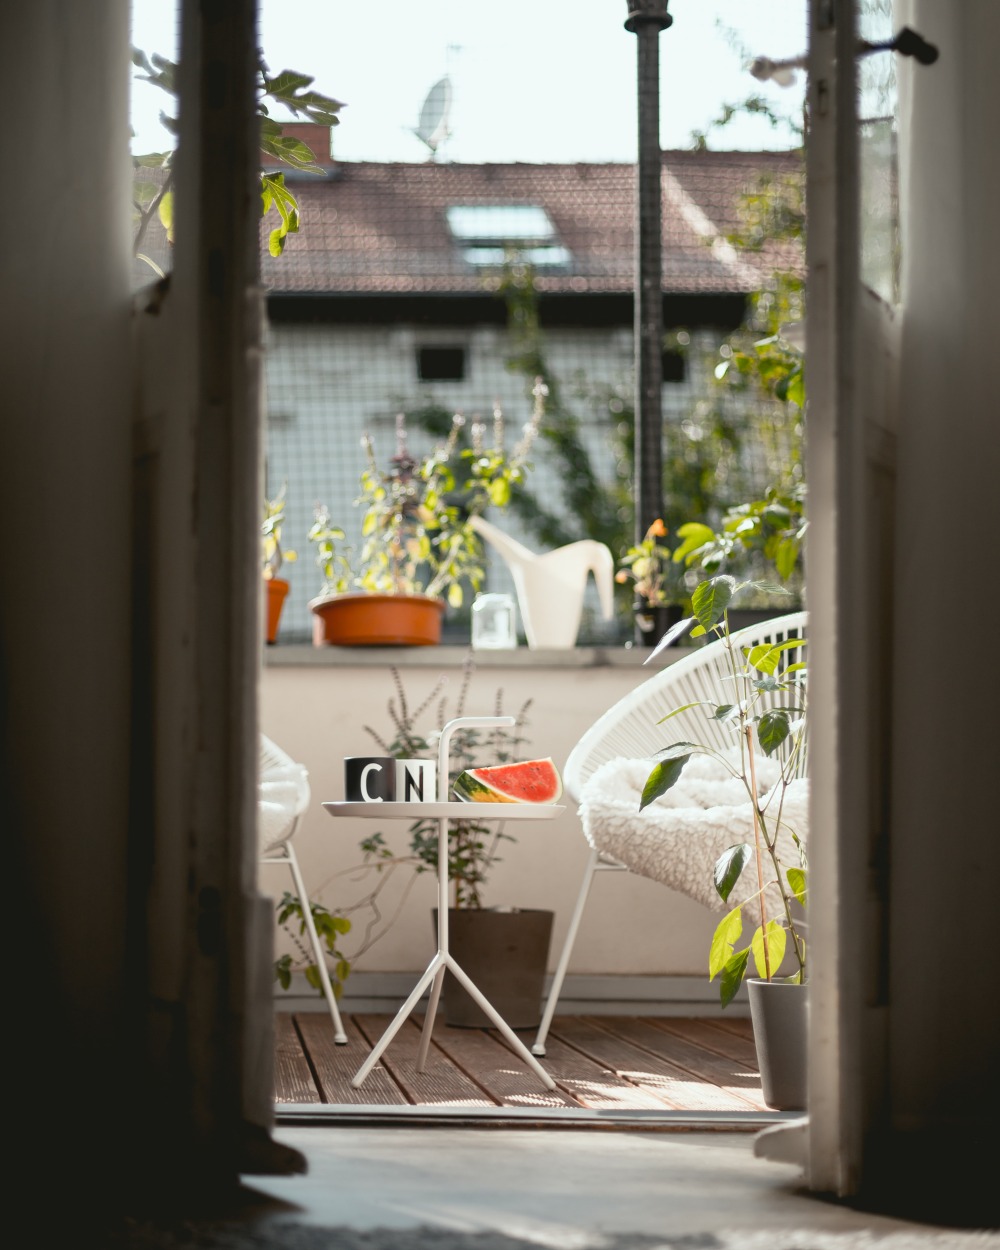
column 283, row 799
column 630, row 730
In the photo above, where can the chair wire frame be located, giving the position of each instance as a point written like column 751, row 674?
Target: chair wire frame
column 631, row 729
column 274, row 762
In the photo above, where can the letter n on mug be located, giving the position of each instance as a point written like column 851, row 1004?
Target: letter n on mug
column 370, row 778
column 416, row 781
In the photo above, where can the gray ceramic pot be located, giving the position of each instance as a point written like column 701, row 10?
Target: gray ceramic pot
column 506, row 954
column 778, row 1010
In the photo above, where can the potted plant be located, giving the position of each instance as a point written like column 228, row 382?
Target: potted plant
column 419, row 549
column 275, row 587
column 658, row 599
column 765, row 705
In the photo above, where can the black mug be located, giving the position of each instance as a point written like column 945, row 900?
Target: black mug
column 370, row 778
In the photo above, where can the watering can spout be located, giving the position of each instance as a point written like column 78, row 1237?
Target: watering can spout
column 550, row 586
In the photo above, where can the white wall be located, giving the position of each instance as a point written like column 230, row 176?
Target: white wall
column 318, row 712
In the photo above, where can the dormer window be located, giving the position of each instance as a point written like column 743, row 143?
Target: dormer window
column 489, row 233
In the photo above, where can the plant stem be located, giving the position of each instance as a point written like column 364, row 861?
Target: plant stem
column 748, row 731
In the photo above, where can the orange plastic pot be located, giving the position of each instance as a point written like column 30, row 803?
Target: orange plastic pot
column 276, row 589
column 367, row 620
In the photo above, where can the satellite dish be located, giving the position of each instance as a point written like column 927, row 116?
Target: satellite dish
column 432, row 128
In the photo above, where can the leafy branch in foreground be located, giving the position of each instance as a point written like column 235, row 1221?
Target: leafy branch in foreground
column 153, row 197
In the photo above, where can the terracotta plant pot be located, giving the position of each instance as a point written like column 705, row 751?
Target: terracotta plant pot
column 366, row 620
column 276, row 588
column 506, row 954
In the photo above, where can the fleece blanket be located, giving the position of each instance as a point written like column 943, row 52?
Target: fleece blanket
column 678, row 837
column 278, row 796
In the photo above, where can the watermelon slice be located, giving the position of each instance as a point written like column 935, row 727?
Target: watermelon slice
column 534, row 781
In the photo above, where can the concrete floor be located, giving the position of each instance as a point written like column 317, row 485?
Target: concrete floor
column 388, row 1187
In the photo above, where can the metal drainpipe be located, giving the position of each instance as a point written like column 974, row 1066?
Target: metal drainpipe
column 646, row 18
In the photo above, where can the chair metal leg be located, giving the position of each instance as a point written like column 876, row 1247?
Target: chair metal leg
column 560, row 974
column 339, row 1036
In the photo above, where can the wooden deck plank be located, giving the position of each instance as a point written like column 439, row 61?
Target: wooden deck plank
column 594, row 1085
column 335, row 1065
column 708, row 1034
column 674, row 1084
column 705, row 1065
column 292, row 1075
column 739, row 1026
column 441, row 1084
column 601, row 1063
column 492, row 1064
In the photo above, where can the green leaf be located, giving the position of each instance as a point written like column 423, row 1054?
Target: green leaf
column 283, row 971
column 711, row 599
column 165, row 212
column 796, row 390
column 790, row 644
column 796, row 878
column 732, row 976
column 764, row 658
column 729, row 866
column 290, row 150
column 683, row 708
column 727, row 933
column 663, row 776
column 145, row 192
column 786, row 556
column 772, row 730
column 776, row 947
column 679, row 750
column 693, row 536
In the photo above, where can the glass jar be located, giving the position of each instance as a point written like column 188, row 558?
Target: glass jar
column 493, row 622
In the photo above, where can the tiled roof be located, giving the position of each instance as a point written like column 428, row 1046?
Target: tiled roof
column 373, row 228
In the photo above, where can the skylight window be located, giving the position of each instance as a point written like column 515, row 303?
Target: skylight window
column 530, row 255
column 490, row 232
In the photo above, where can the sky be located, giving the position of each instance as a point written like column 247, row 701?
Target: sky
column 532, row 80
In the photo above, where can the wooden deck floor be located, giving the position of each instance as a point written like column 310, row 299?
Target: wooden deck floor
column 599, row 1063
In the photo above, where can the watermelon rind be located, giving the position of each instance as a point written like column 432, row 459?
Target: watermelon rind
column 530, row 781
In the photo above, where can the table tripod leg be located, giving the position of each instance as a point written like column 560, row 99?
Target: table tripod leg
column 432, row 1006
column 500, row 1023
column 397, row 1022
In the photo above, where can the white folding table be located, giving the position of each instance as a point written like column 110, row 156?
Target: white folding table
column 442, row 811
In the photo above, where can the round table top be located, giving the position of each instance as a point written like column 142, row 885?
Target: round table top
column 454, row 810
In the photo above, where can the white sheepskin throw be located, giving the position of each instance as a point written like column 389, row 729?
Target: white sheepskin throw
column 678, row 837
column 278, row 798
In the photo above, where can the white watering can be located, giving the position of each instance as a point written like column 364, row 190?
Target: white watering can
column 550, row 586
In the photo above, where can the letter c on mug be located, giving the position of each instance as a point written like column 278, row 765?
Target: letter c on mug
column 369, row 798
column 369, row 778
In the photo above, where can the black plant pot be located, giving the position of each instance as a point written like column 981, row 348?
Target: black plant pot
column 506, row 954
column 652, row 623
